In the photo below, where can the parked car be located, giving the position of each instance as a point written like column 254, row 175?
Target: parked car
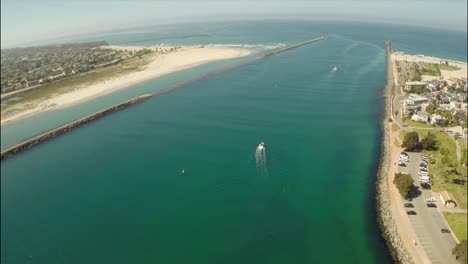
column 445, row 230
column 411, row 213
column 425, row 185
column 402, row 164
column 431, row 205
column 408, row 205
column 430, row 200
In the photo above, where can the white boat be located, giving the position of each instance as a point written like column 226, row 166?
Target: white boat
column 335, row 68
column 261, row 145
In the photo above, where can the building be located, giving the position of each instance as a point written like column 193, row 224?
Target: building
column 420, row 117
column 436, row 119
column 414, row 99
column 447, row 199
column 409, row 86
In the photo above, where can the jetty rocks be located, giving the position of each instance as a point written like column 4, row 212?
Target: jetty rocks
column 10, row 152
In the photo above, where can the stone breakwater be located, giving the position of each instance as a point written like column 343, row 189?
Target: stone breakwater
column 386, row 219
column 10, row 152
column 228, row 68
column 39, row 139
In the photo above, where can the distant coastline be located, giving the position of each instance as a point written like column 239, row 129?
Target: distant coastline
column 154, row 66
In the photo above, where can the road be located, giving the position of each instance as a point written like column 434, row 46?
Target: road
column 428, row 221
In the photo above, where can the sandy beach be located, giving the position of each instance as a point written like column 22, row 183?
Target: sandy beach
column 447, row 74
column 160, row 64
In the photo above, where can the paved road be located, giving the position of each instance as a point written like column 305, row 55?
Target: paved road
column 428, row 221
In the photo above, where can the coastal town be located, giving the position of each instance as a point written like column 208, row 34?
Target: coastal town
column 34, row 67
column 427, row 177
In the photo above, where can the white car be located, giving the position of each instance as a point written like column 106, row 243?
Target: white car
column 430, row 200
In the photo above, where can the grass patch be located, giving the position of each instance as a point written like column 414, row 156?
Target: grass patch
column 458, row 224
column 449, row 67
column 430, row 69
column 395, row 127
column 395, row 142
column 402, row 135
column 412, row 123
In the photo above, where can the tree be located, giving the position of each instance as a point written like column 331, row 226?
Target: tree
column 460, row 252
column 447, row 161
column 444, row 151
column 429, row 142
column 431, row 108
column 404, row 184
column 411, row 141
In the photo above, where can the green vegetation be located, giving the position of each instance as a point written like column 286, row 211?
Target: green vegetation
column 411, row 141
column 458, row 224
column 431, row 108
column 448, row 67
column 48, row 90
column 415, row 75
column 448, row 173
column 404, row 184
column 395, row 127
column 430, row 69
column 426, row 69
column 429, row 142
column 461, row 252
column 412, row 123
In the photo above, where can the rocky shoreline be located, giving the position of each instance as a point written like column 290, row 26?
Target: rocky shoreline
column 10, row 152
column 386, row 220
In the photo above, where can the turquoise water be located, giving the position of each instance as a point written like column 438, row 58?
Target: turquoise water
column 112, row 191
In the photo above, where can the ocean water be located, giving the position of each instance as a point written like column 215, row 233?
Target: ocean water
column 113, row 191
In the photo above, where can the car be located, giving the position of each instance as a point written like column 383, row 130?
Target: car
column 445, row 230
column 408, row 205
column 411, row 213
column 423, row 169
column 404, row 154
column 431, row 205
column 402, row 164
column 430, row 200
column 425, row 185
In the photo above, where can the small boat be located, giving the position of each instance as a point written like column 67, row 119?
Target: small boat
column 261, row 145
column 334, row 68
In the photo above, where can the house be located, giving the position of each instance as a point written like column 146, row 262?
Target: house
column 447, row 199
column 409, row 86
column 432, row 87
column 420, row 117
column 414, row 99
column 436, row 119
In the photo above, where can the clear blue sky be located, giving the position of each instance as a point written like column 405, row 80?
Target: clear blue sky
column 24, row 21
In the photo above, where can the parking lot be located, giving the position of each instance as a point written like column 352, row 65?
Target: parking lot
column 428, row 221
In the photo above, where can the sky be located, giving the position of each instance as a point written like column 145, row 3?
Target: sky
column 26, row 21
